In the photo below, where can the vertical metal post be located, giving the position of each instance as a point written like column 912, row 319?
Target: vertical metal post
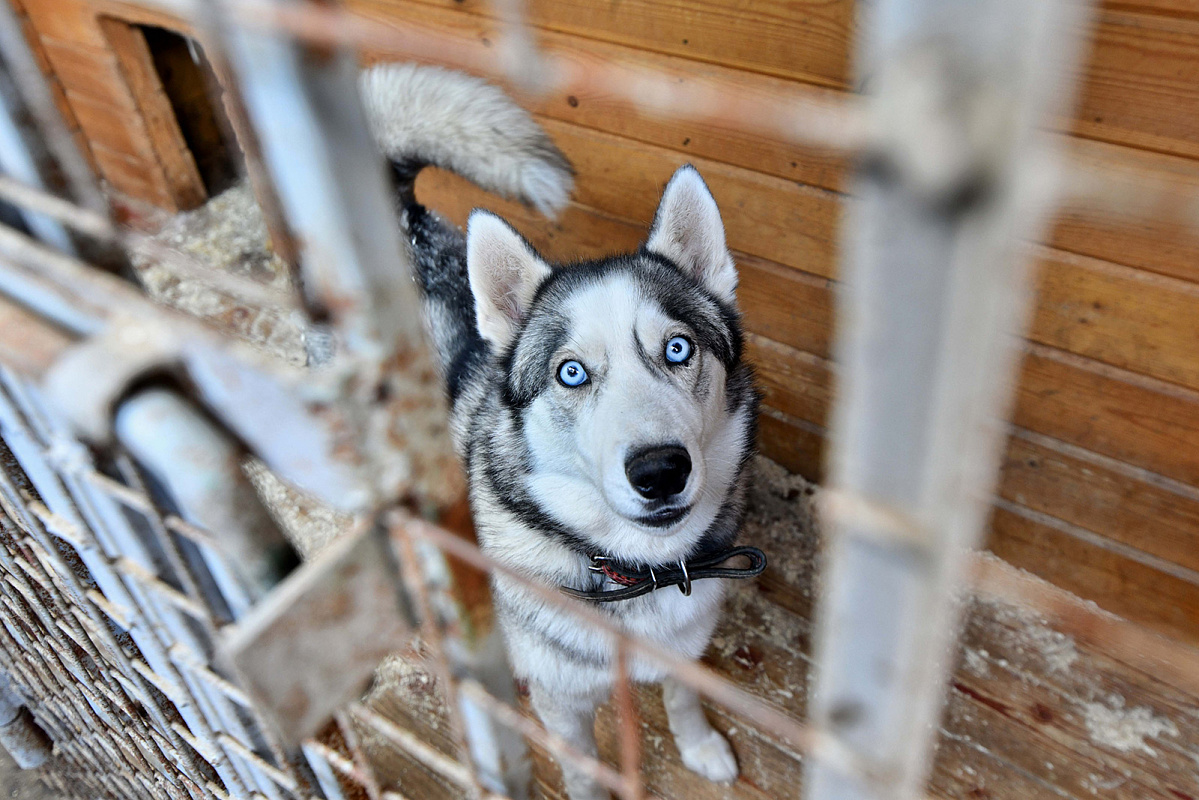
column 328, row 173
column 935, row 295
column 17, row 162
column 330, row 179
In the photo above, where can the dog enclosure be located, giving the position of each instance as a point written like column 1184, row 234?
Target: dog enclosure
column 156, row 627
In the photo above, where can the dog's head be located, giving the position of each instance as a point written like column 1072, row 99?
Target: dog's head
column 625, row 374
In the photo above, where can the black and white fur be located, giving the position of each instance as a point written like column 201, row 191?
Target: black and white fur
column 549, row 464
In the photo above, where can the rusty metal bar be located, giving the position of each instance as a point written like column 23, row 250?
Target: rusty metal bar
column 630, row 734
column 417, row 578
column 99, row 226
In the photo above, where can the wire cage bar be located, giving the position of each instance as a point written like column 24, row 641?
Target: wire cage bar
column 165, row 641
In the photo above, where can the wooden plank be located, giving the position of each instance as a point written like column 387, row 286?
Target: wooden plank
column 112, row 127
column 28, row 343
column 1138, row 511
column 1159, row 242
column 1136, row 591
column 1131, row 319
column 786, row 305
column 1154, row 243
column 770, row 155
column 768, row 217
column 66, row 20
column 1141, row 87
column 1133, row 420
column 130, row 176
column 1045, row 767
column 1023, row 690
column 1121, row 316
column 803, row 39
column 1064, row 692
column 800, row 448
column 1050, row 741
column 90, row 72
column 963, row 770
column 174, row 156
column 1184, row 8
column 1142, row 511
column 1010, row 730
column 1000, row 639
column 794, row 382
column 63, row 104
column 137, row 13
column 577, row 233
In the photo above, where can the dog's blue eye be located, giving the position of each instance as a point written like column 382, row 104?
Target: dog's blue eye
column 571, row 373
column 678, row 350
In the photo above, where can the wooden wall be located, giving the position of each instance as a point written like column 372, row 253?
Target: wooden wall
column 1100, row 486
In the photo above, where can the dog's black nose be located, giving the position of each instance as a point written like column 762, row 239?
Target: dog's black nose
column 658, row 472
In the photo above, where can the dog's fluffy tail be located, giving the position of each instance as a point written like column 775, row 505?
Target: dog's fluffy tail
column 424, row 115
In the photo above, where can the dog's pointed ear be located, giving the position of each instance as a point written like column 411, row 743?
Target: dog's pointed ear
column 504, row 275
column 688, row 230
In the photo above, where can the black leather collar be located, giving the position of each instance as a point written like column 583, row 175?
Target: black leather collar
column 636, row 580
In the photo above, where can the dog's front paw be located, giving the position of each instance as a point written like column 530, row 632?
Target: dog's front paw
column 711, row 757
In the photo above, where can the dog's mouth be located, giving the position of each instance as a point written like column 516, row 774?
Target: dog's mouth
column 664, row 517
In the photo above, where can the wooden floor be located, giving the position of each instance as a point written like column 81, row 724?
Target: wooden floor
column 1030, row 714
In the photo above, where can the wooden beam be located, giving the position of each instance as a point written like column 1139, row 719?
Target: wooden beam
column 183, row 180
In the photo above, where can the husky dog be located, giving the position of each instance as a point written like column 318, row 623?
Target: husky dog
column 602, row 408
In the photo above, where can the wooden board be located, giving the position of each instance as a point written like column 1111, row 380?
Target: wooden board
column 1141, row 87
column 770, row 155
column 1159, row 242
column 804, row 39
column 1158, row 516
column 1019, row 721
column 764, row 216
column 131, row 176
column 1129, row 318
column 66, row 20
column 89, row 71
column 112, row 127
column 1134, row 590
column 114, row 136
column 158, row 116
column 1116, row 414
column 797, row 446
column 794, row 382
